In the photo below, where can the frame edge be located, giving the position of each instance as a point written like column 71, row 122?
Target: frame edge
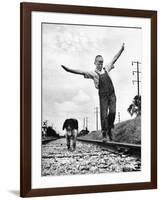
column 25, row 104
column 25, row 101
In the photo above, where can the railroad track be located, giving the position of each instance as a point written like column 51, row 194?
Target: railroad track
column 48, row 139
column 90, row 157
column 126, row 148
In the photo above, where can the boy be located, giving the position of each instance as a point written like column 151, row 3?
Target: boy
column 106, row 91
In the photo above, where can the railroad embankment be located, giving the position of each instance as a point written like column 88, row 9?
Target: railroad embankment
column 126, row 132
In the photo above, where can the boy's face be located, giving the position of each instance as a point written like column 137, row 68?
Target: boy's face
column 99, row 63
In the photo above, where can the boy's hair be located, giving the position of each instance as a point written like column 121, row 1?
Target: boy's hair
column 96, row 58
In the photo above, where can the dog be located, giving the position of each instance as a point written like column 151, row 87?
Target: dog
column 71, row 128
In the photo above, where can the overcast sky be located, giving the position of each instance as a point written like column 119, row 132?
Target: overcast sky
column 66, row 95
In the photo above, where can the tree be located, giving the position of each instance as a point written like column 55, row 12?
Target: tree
column 135, row 107
column 51, row 132
column 83, row 132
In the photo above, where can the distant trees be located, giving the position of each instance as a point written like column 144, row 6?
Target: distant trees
column 51, row 132
column 48, row 131
column 83, row 132
column 135, row 107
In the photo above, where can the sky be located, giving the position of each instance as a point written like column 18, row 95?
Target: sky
column 66, row 95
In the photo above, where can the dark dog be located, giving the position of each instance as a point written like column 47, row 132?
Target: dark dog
column 71, row 127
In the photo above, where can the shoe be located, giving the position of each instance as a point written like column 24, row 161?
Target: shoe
column 104, row 140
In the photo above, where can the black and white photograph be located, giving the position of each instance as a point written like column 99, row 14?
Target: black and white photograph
column 91, row 90
column 88, row 99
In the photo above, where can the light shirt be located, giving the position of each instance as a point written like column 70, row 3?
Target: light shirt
column 95, row 74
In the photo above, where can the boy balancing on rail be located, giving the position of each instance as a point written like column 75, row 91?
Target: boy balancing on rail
column 106, row 91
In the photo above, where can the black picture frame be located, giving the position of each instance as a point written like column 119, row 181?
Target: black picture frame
column 26, row 109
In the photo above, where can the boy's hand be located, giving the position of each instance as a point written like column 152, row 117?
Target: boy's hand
column 74, row 71
column 123, row 46
column 66, row 69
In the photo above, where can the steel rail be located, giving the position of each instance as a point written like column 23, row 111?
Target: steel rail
column 111, row 143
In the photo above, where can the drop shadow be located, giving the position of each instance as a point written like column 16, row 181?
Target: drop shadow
column 15, row 192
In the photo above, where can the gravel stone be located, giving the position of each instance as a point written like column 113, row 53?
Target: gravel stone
column 86, row 159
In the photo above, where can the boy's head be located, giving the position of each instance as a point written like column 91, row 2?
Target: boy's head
column 99, row 62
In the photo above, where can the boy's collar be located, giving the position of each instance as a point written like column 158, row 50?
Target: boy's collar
column 98, row 72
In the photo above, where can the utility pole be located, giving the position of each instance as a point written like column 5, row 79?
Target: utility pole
column 96, row 118
column 87, row 122
column 84, row 123
column 44, row 127
column 118, row 117
column 138, row 78
column 45, row 123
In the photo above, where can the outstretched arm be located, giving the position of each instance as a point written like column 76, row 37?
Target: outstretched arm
column 111, row 64
column 74, row 71
column 118, row 54
column 86, row 74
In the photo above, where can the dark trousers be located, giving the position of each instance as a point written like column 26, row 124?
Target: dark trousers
column 107, row 112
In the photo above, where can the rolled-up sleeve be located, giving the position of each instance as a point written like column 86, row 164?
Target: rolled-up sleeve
column 89, row 75
column 109, row 67
column 94, row 76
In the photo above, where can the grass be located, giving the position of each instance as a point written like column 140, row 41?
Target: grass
column 128, row 131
